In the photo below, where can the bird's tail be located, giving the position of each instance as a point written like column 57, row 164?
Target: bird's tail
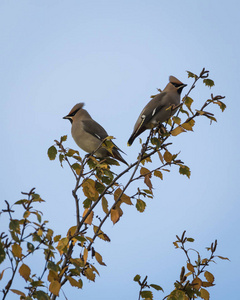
column 118, row 156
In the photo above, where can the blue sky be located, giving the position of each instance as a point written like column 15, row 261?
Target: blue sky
column 113, row 55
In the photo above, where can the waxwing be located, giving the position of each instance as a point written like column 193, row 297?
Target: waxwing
column 159, row 109
column 88, row 134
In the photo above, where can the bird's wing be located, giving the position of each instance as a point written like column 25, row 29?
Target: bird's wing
column 95, row 129
column 152, row 108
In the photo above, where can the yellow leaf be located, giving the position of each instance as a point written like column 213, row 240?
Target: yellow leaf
column 205, row 294
column 89, row 217
column 71, row 231
column 188, row 125
column 17, row 250
column 18, row 292
column 54, row 287
column 24, row 271
column 89, row 189
column 74, row 282
column 89, row 274
column 177, row 120
column 85, row 255
column 124, row 198
column 209, row 276
column 52, row 276
column 40, row 232
column 197, row 283
column 207, row 284
column 114, row 215
column 62, row 245
column 99, row 259
column 176, row 131
column 101, row 234
column 167, row 156
column 190, row 267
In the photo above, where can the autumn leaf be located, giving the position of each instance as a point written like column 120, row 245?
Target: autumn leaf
column 188, row 125
column 176, row 131
column 158, row 174
column 204, row 294
column 114, row 215
column 24, row 271
column 99, row 259
column 184, row 170
column 167, row 156
column 85, row 255
column 89, row 217
column 74, row 282
column 17, row 250
column 147, row 181
column 89, row 274
column 209, row 276
column 190, row 267
column 188, row 102
column 18, row 292
column 197, row 283
column 137, row 278
column 89, row 189
column 54, row 287
column 147, row 295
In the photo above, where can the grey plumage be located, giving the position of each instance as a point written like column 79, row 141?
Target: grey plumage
column 88, row 134
column 158, row 110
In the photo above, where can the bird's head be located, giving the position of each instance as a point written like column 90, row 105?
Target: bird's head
column 177, row 84
column 73, row 111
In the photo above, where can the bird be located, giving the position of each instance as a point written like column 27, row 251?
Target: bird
column 89, row 135
column 158, row 110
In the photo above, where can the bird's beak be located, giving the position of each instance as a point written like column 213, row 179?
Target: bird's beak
column 183, row 86
column 68, row 118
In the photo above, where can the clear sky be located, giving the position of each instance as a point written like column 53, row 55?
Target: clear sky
column 113, row 55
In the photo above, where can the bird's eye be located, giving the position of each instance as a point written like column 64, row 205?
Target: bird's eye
column 175, row 84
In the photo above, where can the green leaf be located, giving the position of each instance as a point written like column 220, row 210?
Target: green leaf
column 14, row 225
column 105, row 205
column 52, row 266
column 184, row 170
column 156, row 287
column 41, row 295
column 156, row 142
column 146, row 295
column 188, row 102
column 77, row 168
column 191, row 75
column 63, row 138
column 30, row 247
column 87, row 203
column 191, row 240
column 52, row 152
column 140, row 205
column 2, row 253
column 99, row 187
column 137, row 278
column 208, row 82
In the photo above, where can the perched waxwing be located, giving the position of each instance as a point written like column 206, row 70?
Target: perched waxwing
column 88, row 134
column 159, row 109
